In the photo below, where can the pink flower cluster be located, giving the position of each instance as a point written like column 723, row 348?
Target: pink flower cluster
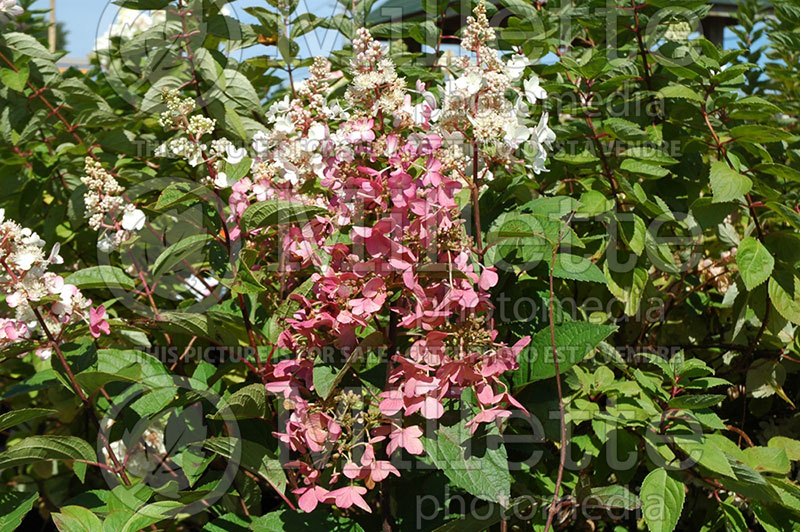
column 407, row 271
column 393, row 259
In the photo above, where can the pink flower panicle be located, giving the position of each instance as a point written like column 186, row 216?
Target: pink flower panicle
column 392, row 255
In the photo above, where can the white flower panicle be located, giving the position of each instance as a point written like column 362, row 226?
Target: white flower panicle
column 375, row 88
column 475, row 99
column 104, row 203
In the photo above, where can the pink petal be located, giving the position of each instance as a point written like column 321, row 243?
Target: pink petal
column 431, row 408
column 488, row 279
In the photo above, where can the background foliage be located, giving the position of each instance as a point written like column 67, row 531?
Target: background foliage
column 678, row 165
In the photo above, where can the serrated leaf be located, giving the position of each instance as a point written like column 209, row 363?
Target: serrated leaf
column 755, row 262
column 622, row 129
column 680, row 91
column 43, row 448
column 614, row 496
column 15, row 417
column 178, row 252
column 289, row 520
column 767, row 460
column 249, row 402
column 705, row 453
column 778, row 170
column 759, row 133
column 695, row 402
column 101, row 277
column 275, row 212
column 15, row 80
column 784, row 292
column 648, row 154
column 643, row 168
column 727, row 184
column 789, row 445
column 567, row 266
column 477, row 464
column 662, row 499
column 574, row 341
column 734, row 520
column 252, row 456
column 27, row 45
column 76, row 519
column 179, row 194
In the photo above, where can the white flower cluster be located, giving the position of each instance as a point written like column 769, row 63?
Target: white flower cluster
column 191, row 148
column 375, row 80
column 8, row 10
column 177, row 109
column 25, row 280
column 291, row 152
column 475, row 101
column 103, row 201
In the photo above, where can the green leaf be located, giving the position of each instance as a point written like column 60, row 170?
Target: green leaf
column 180, row 194
column 574, row 341
column 680, row 91
column 42, row 448
column 237, row 171
column 150, row 514
column 290, row 521
column 728, row 184
column 13, row 507
column 249, row 402
column 15, row 80
column 327, row 375
column 695, row 402
column 648, row 154
column 614, row 496
column 426, row 33
column 705, row 453
column 77, row 519
column 778, row 170
column 790, row 446
column 275, row 212
column 622, row 129
column 252, row 456
column 643, row 168
column 109, row 277
column 755, row 262
column 734, row 520
column 142, row 4
column 767, row 460
column 662, row 500
column 27, row 45
column 765, row 378
column 15, row 417
column 594, row 202
column 759, row 133
column 471, row 463
column 784, row 292
column 577, row 268
column 178, row 252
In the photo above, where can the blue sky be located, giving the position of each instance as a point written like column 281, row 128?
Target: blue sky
column 88, row 19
